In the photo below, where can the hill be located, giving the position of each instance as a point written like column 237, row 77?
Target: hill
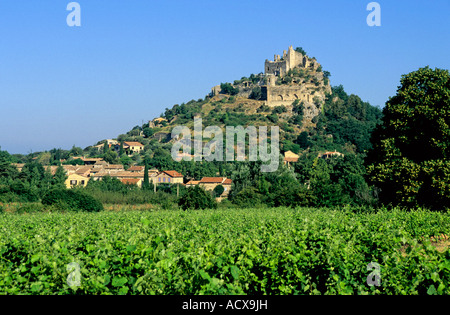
column 327, row 130
column 294, row 94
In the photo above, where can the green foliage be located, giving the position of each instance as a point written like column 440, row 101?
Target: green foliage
column 197, row 198
column 279, row 110
column 228, row 88
column 218, row 191
column 410, row 158
column 301, row 50
column 263, row 108
column 248, row 197
column 349, row 120
column 146, row 182
column 74, row 200
column 281, row 251
column 303, row 140
column 256, row 93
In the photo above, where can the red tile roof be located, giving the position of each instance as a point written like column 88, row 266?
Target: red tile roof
column 215, row 180
column 173, row 173
column 130, row 181
column 136, row 168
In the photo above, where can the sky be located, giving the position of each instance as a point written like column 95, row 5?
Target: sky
column 128, row 61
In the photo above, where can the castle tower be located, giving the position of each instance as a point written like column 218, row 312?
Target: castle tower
column 271, row 79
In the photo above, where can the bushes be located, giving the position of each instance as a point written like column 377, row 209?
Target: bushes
column 249, row 197
column 197, row 198
column 72, row 200
column 218, row 191
column 228, row 88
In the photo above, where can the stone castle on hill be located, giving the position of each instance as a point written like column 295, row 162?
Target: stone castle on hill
column 286, row 79
column 290, row 60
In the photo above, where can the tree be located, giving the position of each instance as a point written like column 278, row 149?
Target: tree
column 146, row 182
column 76, row 151
column 301, row 50
column 256, row 93
column 228, row 88
column 110, row 157
column 218, row 191
column 60, row 177
column 121, row 151
column 197, row 198
column 409, row 161
column 303, row 140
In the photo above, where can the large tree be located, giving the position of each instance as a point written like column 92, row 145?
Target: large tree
column 409, row 161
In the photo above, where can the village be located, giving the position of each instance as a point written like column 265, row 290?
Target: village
column 97, row 168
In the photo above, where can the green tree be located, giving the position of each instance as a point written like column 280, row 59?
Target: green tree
column 110, row 157
column 228, row 88
column 218, row 190
column 121, row 151
column 76, row 151
column 146, row 182
column 59, row 177
column 197, row 198
column 256, row 93
column 409, row 161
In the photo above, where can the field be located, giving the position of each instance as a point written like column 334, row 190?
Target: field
column 279, row 251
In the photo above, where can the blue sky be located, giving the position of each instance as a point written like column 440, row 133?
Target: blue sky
column 129, row 60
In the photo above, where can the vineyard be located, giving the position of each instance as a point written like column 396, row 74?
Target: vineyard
column 279, row 251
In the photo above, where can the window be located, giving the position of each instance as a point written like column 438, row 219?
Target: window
column 82, row 182
column 168, row 180
column 164, row 180
column 159, row 179
column 73, row 182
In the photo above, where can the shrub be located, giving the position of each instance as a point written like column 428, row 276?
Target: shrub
column 30, row 208
column 248, row 197
column 197, row 198
column 256, row 93
column 218, row 191
column 228, row 88
column 73, row 200
column 292, row 196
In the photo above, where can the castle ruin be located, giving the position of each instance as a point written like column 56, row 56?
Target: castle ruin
column 289, row 78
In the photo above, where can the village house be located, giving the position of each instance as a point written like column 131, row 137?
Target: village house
column 168, row 177
column 136, row 168
column 192, row 183
column 74, row 180
column 132, row 181
column 19, row 166
column 114, row 168
column 327, row 155
column 132, row 147
column 210, row 183
column 290, row 157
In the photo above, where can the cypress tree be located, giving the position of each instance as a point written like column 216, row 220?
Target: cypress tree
column 146, row 183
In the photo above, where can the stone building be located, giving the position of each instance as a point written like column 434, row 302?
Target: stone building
column 291, row 59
